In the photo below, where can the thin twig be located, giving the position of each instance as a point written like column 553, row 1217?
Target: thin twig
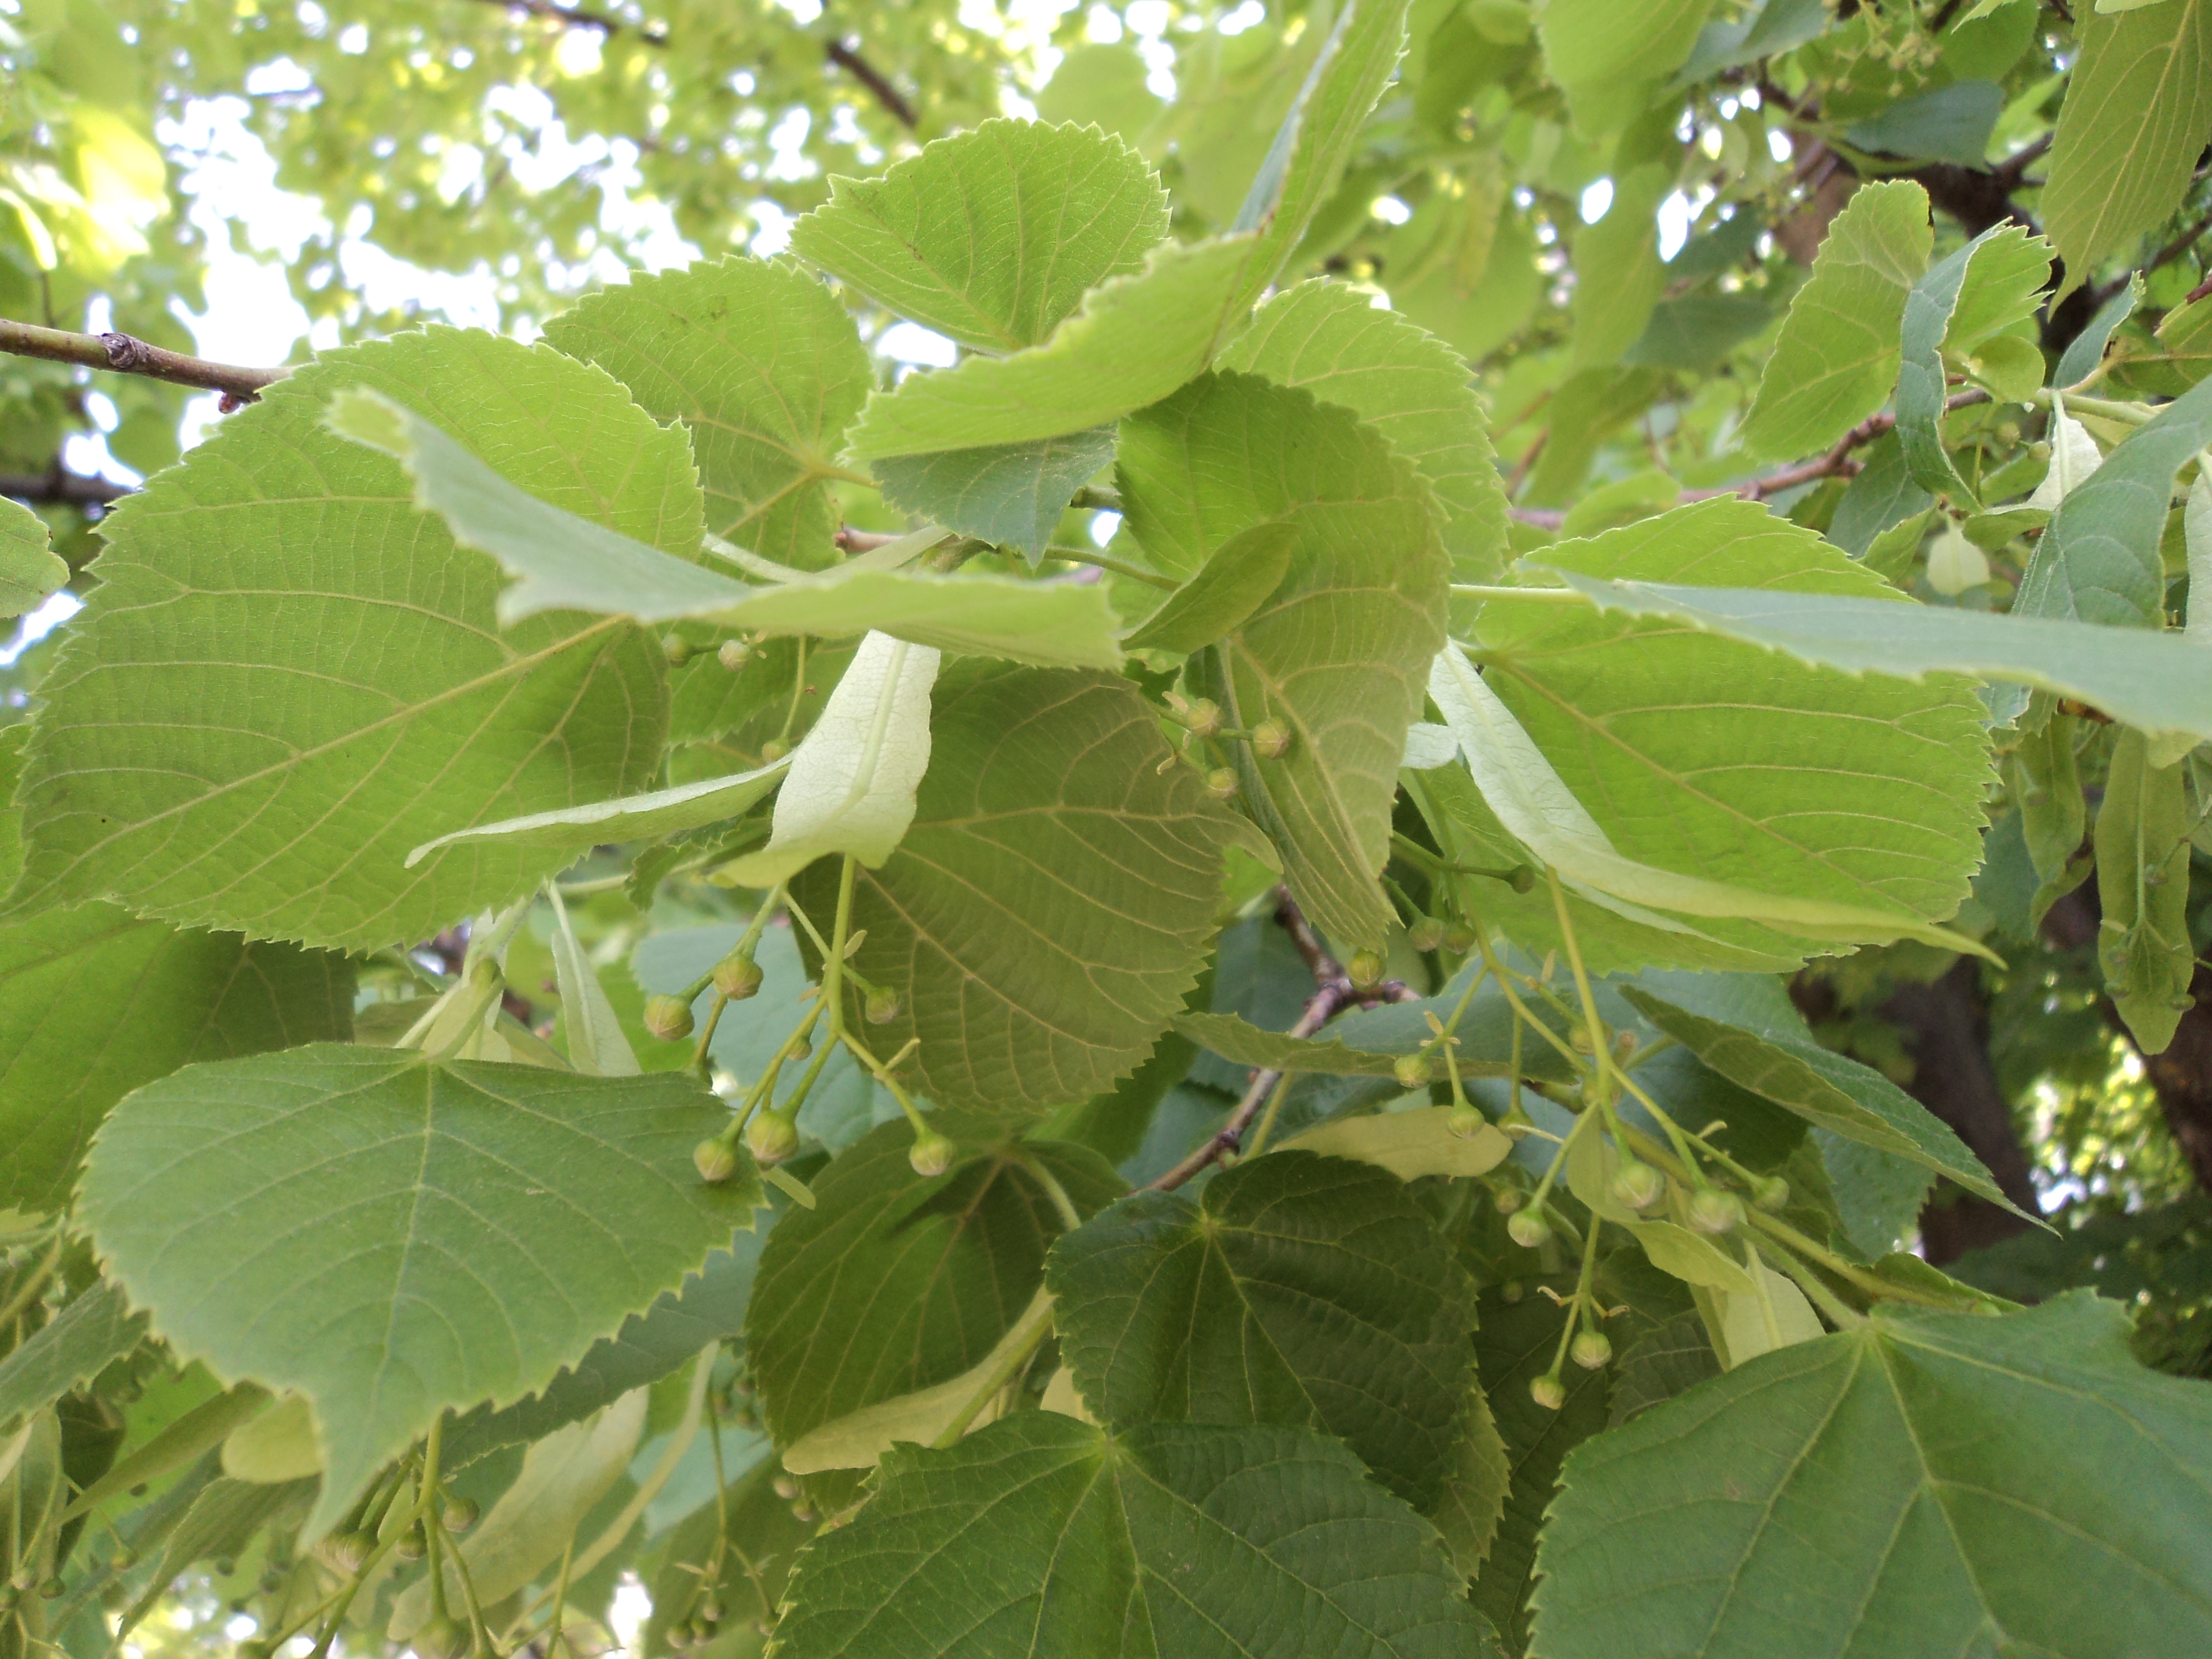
column 848, row 57
column 125, row 354
column 575, row 17
column 59, row 486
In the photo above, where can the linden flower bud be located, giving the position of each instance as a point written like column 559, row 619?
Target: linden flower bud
column 677, row 649
column 1548, row 1392
column 1426, row 935
column 441, row 1638
column 51, row 1589
column 882, row 1006
column 1527, row 1229
column 1221, row 783
column 1365, row 968
column 460, row 1514
column 1637, row 1184
column 348, row 1551
column 1465, row 1120
column 734, row 655
column 1459, row 939
column 773, row 1136
column 716, row 1159
column 1202, row 718
column 1412, row 1070
column 1508, row 1201
column 1590, row 1350
column 773, row 749
column 1712, row 1211
column 668, row 1017
column 931, row 1153
column 1517, row 1123
column 1271, row 739
column 737, row 977
column 1770, row 1193
column 412, row 1545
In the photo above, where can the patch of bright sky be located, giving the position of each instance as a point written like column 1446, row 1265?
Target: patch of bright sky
column 1595, row 200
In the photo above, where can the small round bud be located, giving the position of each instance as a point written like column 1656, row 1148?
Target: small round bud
column 1508, row 1201
column 1511, row 1291
column 711, row 1611
column 124, row 1559
column 1271, row 739
column 1517, row 1124
column 1459, row 939
column 1582, row 1041
column 1637, row 1184
column 734, row 655
column 668, row 1017
column 773, row 749
column 1590, row 1350
column 349, row 1551
column 412, row 1545
column 224, row 1566
column 1522, row 879
column 882, row 1006
column 787, row 1488
column 1465, row 1120
column 716, row 1159
column 1713, row 1211
column 1770, row 1193
column 1201, row 717
column 1365, row 968
column 701, row 1630
column 1412, row 1070
column 272, row 1580
column 51, row 1588
column 252, row 1647
column 1221, row 783
column 737, row 977
column 773, row 1136
column 931, row 1154
column 441, row 1638
column 460, row 1514
column 677, row 649
column 1527, row 1229
column 802, row 1512
column 1548, row 1392
column 1426, row 935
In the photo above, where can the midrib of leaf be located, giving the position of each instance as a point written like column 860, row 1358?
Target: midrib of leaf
column 1600, row 730
column 2132, row 133
column 513, row 667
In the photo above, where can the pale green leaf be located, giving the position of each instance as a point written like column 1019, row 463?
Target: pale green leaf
column 895, row 1282
column 859, row 1439
column 288, row 677
column 1334, row 655
column 1308, row 157
column 1534, row 803
column 1690, row 1257
column 2143, row 848
column 1848, row 801
column 765, row 370
column 1837, row 353
column 1823, row 1088
column 1618, row 277
column 563, row 1476
column 1011, row 496
column 95, row 1002
column 1950, row 123
column 1135, row 340
column 564, row 562
column 1773, row 1315
column 1295, row 1289
column 1591, row 43
column 2099, row 559
column 1938, row 1483
column 991, row 237
column 2155, row 681
column 1410, row 1143
column 633, row 818
column 69, row 1351
column 2074, row 457
column 275, row 1445
column 1045, row 1535
column 2004, row 281
column 29, row 569
column 853, row 776
column 1052, row 903
column 1413, row 388
column 571, row 1202
column 1236, row 579
column 591, row 1028
column 2138, row 105
column 1929, row 308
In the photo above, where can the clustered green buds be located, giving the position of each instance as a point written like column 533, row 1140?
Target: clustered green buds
column 882, row 1006
column 737, row 976
column 349, row 1552
column 413, row 1543
column 1365, row 968
column 459, row 1513
column 1460, row 939
column 1271, row 739
column 1412, row 1070
column 1713, row 1211
column 1465, row 1119
column 773, row 1136
column 1637, row 1184
column 932, row 1152
column 1590, row 1350
column 1200, row 717
column 1221, row 783
column 1426, row 934
column 1527, row 1229
column 1770, row 1193
column 1508, row 1201
column 677, row 649
column 773, row 749
column 734, row 655
column 668, row 1017
column 1548, row 1392
column 441, row 1638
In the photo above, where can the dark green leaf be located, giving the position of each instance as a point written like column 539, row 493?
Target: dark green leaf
column 70, row 1350
column 1011, row 496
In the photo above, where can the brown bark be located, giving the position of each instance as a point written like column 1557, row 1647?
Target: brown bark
column 1946, row 1028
